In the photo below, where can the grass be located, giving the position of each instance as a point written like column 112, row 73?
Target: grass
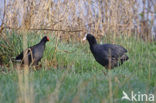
column 72, row 74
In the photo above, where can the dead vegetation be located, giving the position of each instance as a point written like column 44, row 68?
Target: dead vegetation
column 72, row 18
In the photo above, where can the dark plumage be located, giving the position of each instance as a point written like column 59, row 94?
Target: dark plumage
column 34, row 53
column 108, row 55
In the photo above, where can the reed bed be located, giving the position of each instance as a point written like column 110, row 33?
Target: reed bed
column 73, row 18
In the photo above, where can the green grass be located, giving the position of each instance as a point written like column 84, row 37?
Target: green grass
column 75, row 76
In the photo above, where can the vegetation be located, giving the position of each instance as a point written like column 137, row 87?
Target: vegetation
column 72, row 75
column 68, row 71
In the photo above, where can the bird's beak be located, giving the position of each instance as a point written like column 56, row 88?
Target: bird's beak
column 84, row 37
column 48, row 38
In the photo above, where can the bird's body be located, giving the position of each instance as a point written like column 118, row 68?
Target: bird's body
column 108, row 55
column 33, row 54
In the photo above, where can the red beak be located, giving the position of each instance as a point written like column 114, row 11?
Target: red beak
column 47, row 38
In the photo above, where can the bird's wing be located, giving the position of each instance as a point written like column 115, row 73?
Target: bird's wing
column 111, row 50
column 117, row 51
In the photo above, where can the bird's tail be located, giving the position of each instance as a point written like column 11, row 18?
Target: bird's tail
column 13, row 59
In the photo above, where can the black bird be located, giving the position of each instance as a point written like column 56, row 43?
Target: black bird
column 108, row 55
column 33, row 55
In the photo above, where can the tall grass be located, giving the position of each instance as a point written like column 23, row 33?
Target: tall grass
column 75, row 76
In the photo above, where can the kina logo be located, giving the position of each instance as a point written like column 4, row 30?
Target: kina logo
column 137, row 96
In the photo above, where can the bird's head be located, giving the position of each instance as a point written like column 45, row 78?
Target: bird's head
column 45, row 39
column 91, row 39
